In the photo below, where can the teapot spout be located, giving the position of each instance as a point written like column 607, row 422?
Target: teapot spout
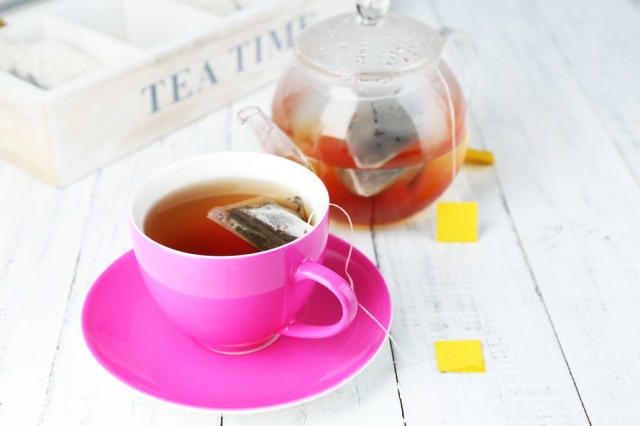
column 271, row 137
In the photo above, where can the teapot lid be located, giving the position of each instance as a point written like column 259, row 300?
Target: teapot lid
column 371, row 41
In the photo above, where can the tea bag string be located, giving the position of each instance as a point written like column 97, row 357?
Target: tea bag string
column 412, row 361
column 452, row 119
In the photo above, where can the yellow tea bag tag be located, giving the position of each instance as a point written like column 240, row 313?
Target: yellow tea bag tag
column 457, row 222
column 459, row 356
column 478, row 156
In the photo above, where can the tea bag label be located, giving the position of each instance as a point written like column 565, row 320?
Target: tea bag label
column 457, row 222
column 459, row 356
column 478, row 156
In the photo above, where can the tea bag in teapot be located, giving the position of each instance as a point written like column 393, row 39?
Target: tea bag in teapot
column 265, row 222
column 367, row 183
column 380, row 130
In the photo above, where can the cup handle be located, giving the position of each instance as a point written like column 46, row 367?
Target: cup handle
column 335, row 284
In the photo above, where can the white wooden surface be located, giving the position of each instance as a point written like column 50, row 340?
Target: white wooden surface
column 551, row 289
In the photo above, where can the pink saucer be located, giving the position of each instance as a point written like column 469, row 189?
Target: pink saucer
column 134, row 341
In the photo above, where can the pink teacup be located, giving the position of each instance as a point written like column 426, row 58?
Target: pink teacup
column 239, row 304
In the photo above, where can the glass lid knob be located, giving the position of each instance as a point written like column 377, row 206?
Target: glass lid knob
column 371, row 11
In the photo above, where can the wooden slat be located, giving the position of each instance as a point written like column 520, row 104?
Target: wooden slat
column 42, row 233
column 600, row 44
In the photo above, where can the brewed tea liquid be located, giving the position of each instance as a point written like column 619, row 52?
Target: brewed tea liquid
column 381, row 159
column 404, row 198
column 179, row 221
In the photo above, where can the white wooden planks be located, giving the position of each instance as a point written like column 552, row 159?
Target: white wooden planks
column 551, row 288
column 601, row 48
column 41, row 238
column 479, row 291
column 570, row 193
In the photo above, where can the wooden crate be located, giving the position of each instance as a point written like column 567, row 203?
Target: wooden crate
column 165, row 63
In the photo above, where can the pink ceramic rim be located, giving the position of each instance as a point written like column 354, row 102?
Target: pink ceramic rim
column 319, row 216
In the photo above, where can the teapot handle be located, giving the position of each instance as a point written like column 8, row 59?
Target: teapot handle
column 461, row 54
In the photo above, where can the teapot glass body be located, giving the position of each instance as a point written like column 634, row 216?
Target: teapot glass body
column 386, row 146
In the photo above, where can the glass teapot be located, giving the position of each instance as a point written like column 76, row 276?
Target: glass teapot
column 374, row 111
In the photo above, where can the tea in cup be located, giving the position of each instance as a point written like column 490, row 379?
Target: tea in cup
column 215, row 286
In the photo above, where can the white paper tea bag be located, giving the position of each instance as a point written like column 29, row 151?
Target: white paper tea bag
column 262, row 221
column 367, row 183
column 45, row 63
column 380, row 130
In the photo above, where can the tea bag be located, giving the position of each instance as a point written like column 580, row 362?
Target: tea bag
column 380, row 130
column 263, row 221
column 367, row 183
column 45, row 63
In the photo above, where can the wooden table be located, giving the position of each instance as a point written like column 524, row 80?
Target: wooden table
column 552, row 287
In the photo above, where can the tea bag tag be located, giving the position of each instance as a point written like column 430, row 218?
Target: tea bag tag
column 459, row 356
column 457, row 222
column 478, row 156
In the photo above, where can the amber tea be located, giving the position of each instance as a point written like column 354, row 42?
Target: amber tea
column 179, row 220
